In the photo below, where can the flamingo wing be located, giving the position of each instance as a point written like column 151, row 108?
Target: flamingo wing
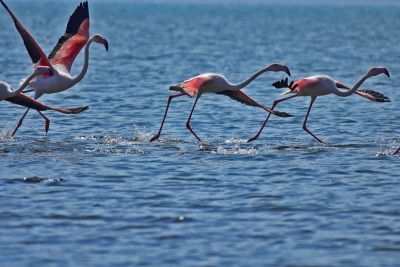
column 192, row 86
column 74, row 39
column 37, row 55
column 24, row 100
column 370, row 94
column 241, row 97
column 302, row 83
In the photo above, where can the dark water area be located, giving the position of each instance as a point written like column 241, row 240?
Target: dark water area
column 95, row 192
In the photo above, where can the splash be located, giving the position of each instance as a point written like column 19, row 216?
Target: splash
column 6, row 132
column 236, row 141
column 142, row 136
column 236, row 150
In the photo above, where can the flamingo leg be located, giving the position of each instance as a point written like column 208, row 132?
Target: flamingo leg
column 46, row 127
column 187, row 123
column 165, row 115
column 20, row 122
column 305, row 121
column 396, row 151
column 27, row 91
column 265, row 122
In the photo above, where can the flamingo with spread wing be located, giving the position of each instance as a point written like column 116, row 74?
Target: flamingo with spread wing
column 16, row 97
column 60, row 60
column 323, row 85
column 215, row 83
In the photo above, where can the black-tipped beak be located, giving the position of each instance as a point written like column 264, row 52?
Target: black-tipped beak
column 387, row 73
column 51, row 72
column 288, row 72
column 106, row 45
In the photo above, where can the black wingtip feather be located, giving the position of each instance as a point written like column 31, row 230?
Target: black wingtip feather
column 282, row 114
column 78, row 110
column 80, row 14
column 376, row 95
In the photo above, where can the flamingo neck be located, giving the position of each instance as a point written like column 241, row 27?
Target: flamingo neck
column 82, row 74
column 355, row 87
column 250, row 79
column 23, row 85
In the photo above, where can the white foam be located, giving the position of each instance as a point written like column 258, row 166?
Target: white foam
column 236, row 150
column 6, row 132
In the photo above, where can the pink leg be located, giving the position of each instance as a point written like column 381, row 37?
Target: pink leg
column 305, row 121
column 187, row 123
column 46, row 127
column 20, row 122
column 165, row 115
column 27, row 91
column 265, row 122
column 396, row 151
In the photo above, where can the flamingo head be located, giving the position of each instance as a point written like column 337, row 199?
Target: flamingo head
column 41, row 70
column 278, row 67
column 97, row 38
column 377, row 71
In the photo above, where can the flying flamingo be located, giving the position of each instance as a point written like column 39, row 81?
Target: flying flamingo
column 63, row 55
column 215, row 83
column 323, row 85
column 16, row 97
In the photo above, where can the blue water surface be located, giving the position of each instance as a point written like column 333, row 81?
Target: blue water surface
column 95, row 192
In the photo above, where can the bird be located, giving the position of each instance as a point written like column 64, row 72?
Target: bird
column 16, row 97
column 218, row 84
column 320, row 85
column 61, row 58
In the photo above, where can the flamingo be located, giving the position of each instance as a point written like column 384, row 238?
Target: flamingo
column 16, row 97
column 63, row 55
column 323, row 85
column 215, row 83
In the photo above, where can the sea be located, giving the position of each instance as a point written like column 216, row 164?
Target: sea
column 94, row 191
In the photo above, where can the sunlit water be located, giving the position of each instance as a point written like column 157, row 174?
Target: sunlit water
column 95, row 192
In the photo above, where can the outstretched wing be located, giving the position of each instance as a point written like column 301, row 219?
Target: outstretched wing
column 370, row 94
column 24, row 100
column 37, row 55
column 74, row 39
column 241, row 97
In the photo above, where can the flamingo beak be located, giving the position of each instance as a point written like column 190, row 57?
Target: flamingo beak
column 287, row 71
column 51, row 72
column 387, row 73
column 106, row 44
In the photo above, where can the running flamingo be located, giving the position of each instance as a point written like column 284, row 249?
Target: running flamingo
column 323, row 85
column 63, row 55
column 16, row 97
column 215, row 83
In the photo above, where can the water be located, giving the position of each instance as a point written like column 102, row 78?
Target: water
column 95, row 192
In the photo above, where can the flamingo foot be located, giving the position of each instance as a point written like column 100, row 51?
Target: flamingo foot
column 154, row 138
column 396, row 152
column 47, row 126
column 253, row 138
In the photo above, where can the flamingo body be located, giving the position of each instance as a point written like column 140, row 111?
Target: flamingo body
column 321, row 85
column 218, row 84
column 60, row 60
column 16, row 97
